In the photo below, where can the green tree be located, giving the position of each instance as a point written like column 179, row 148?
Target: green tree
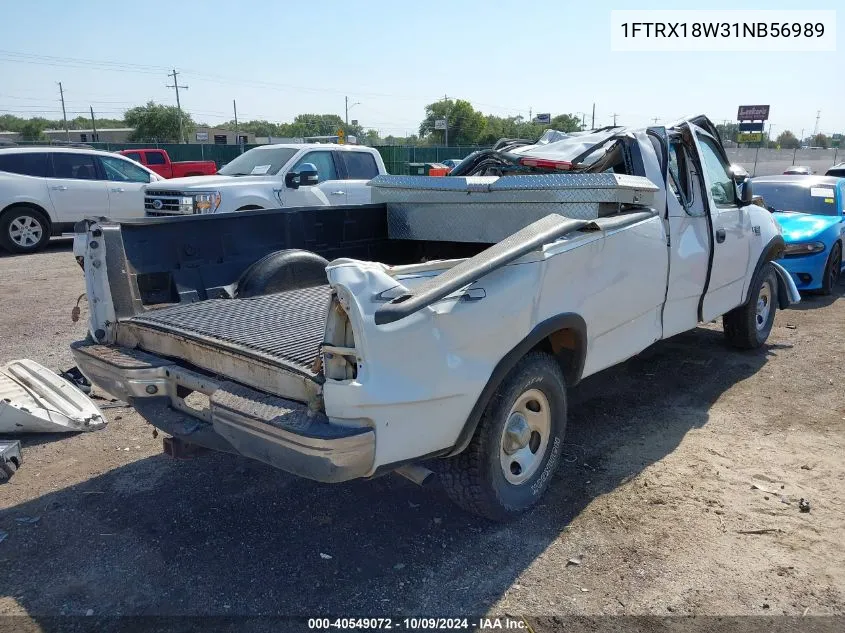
column 566, row 123
column 728, row 131
column 787, row 140
column 33, row 129
column 156, row 122
column 820, row 140
column 465, row 124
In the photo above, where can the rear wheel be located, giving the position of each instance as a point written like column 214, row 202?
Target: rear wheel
column 832, row 270
column 517, row 446
column 748, row 326
column 24, row 230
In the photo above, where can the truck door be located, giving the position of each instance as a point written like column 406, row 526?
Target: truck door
column 730, row 228
column 689, row 239
column 328, row 191
column 359, row 168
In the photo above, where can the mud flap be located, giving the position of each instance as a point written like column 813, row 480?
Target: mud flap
column 787, row 290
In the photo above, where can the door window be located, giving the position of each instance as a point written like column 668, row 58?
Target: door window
column 75, row 166
column 123, row 171
column 323, row 161
column 136, row 156
column 722, row 186
column 25, row 163
column 360, row 165
column 155, row 158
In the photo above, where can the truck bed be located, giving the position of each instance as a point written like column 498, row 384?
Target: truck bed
column 284, row 328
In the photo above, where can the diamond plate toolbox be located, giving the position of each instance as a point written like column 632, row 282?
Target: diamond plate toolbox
column 486, row 209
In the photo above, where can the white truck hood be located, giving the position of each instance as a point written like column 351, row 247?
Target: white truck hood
column 205, row 183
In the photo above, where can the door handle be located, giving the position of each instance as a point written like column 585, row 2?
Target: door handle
column 338, row 193
column 720, row 235
column 118, row 190
column 59, row 188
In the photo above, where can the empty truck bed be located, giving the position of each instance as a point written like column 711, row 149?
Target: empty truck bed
column 284, row 329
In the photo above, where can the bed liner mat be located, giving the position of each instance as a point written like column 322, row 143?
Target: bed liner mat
column 285, row 327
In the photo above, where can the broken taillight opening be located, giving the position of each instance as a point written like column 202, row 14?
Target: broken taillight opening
column 545, row 163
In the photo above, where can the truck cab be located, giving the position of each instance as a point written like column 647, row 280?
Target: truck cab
column 158, row 160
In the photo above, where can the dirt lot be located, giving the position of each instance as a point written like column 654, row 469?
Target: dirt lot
column 673, row 460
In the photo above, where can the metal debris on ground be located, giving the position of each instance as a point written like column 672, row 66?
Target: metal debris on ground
column 10, row 458
column 804, row 504
column 34, row 399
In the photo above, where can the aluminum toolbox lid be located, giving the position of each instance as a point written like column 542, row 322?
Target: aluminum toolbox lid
column 604, row 187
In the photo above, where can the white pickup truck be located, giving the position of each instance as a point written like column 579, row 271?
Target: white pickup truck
column 454, row 314
column 273, row 176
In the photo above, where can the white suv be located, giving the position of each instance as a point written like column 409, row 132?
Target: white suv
column 44, row 191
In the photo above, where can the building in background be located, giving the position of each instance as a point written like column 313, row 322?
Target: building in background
column 220, row 136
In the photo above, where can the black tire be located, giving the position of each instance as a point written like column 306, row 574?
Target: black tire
column 832, row 270
column 475, row 478
column 34, row 220
column 742, row 327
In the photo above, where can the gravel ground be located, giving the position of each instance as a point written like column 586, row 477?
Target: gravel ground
column 675, row 461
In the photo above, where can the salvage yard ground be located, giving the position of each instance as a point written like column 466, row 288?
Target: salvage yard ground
column 679, row 495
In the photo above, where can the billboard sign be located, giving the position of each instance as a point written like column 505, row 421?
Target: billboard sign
column 751, row 127
column 753, row 113
column 749, row 137
column 546, row 118
column 440, row 124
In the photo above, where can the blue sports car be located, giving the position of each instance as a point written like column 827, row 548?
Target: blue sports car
column 811, row 212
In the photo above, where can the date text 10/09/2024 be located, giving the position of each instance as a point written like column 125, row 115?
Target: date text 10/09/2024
column 419, row 624
column 721, row 29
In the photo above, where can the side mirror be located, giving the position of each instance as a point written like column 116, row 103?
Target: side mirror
column 308, row 175
column 746, row 196
column 305, row 177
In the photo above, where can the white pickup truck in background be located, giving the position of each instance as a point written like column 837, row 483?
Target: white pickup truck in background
column 273, row 177
column 454, row 315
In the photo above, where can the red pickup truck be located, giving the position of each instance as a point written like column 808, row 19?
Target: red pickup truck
column 160, row 163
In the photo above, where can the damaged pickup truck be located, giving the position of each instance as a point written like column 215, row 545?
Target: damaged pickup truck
column 437, row 330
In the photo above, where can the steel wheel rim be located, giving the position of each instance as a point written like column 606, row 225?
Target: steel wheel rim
column 764, row 305
column 25, row 231
column 525, row 436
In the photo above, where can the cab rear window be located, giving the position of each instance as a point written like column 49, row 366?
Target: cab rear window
column 25, row 163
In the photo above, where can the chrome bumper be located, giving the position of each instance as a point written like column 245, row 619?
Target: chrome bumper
column 282, row 433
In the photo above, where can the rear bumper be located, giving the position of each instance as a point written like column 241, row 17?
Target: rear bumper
column 279, row 432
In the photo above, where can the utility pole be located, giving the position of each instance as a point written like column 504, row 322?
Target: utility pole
column 656, row 119
column 176, row 86
column 816, row 129
column 64, row 114
column 583, row 121
column 93, row 126
column 594, row 116
column 614, row 119
column 235, row 107
column 446, row 131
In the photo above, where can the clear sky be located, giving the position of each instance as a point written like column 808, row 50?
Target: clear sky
column 279, row 58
